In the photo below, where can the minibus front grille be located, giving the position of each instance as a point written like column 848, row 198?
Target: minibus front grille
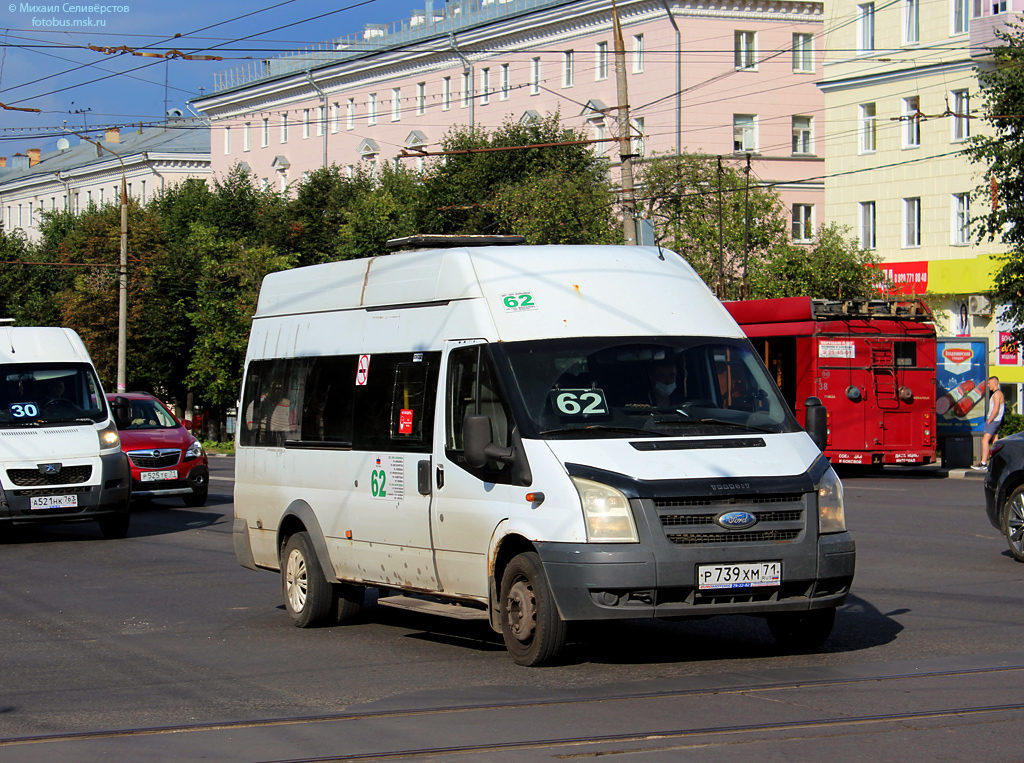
column 144, row 459
column 725, row 503
column 69, row 475
column 49, row 491
column 689, row 520
column 754, row 536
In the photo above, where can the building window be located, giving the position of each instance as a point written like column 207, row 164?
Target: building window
column 421, row 98
column 350, row 115
column 803, row 223
column 305, row 124
column 265, row 133
column 638, row 53
column 744, row 133
column 912, row 122
column 600, row 133
column 961, row 17
column 601, row 68
column 284, row 128
column 227, row 141
column 321, row 113
column 639, row 145
column 446, row 93
column 961, row 115
column 535, row 76
column 568, row 68
column 802, row 136
column 371, row 109
column 911, row 22
column 485, row 86
column 745, row 50
column 912, row 222
column 506, row 81
column 868, row 128
column 246, row 144
column 867, row 224
column 467, row 83
column 803, row 52
column 961, row 219
column 396, row 104
column 865, row 27
column 998, row 6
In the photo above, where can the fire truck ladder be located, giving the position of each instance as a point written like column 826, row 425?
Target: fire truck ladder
column 883, row 371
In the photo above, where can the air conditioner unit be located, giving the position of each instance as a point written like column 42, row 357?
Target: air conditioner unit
column 978, row 305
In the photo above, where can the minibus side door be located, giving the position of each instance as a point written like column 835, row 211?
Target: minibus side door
column 469, row 503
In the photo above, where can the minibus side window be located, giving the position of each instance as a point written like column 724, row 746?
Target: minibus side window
column 473, row 388
column 391, row 382
column 327, row 403
column 905, row 354
column 271, row 403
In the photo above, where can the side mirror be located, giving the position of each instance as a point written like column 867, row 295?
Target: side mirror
column 187, row 423
column 477, row 444
column 122, row 411
column 816, row 422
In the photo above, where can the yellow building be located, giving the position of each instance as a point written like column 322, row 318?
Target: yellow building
column 901, row 99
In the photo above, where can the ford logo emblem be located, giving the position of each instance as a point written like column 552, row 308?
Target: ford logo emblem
column 736, row 520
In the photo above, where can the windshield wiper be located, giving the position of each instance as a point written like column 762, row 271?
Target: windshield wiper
column 737, row 425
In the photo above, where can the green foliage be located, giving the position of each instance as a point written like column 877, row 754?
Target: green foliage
column 1000, row 150
column 830, row 268
column 466, row 191
column 1012, row 423
column 228, row 287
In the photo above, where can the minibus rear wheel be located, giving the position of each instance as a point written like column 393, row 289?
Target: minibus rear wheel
column 308, row 597
column 533, row 631
column 802, row 631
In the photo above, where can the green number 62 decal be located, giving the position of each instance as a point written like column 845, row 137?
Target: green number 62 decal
column 518, row 301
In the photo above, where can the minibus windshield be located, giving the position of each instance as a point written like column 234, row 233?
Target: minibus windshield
column 656, row 386
column 49, row 393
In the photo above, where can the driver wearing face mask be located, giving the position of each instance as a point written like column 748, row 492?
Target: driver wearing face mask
column 664, row 391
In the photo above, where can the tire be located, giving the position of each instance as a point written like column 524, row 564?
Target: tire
column 198, row 497
column 114, row 526
column 308, row 597
column 1013, row 523
column 802, row 631
column 533, row 631
column 350, row 599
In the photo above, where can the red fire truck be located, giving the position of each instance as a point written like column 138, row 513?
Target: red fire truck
column 871, row 362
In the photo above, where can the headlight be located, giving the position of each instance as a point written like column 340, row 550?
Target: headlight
column 606, row 512
column 109, row 439
column 831, row 514
column 195, row 450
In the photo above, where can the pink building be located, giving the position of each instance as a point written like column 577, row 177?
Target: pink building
column 722, row 78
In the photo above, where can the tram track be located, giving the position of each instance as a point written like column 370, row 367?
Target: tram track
column 449, row 710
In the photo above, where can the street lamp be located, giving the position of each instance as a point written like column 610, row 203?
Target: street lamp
column 122, row 305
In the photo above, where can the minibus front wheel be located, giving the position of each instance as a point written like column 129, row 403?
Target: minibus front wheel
column 533, row 631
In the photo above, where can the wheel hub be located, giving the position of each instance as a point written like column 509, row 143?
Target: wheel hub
column 522, row 610
column 296, row 581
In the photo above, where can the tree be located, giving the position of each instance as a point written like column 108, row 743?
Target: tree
column 1001, row 152
column 467, row 191
column 686, row 197
column 830, row 268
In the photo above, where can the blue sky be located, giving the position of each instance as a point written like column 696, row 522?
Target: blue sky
column 45, row 62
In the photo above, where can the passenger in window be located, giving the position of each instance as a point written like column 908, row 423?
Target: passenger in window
column 281, row 416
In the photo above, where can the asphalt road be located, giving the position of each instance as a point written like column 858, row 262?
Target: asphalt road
column 161, row 647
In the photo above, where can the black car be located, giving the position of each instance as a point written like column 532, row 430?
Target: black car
column 1004, row 491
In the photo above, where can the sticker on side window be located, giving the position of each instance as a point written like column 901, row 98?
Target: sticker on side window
column 518, row 302
column 363, row 370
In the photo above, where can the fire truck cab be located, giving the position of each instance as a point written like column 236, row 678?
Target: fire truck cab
column 871, row 362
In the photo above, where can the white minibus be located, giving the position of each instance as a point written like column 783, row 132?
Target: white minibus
column 60, row 454
column 531, row 435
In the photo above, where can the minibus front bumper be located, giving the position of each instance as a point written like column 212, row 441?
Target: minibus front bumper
column 108, row 494
column 621, row 581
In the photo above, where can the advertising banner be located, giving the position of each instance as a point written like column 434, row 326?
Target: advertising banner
column 1009, row 349
column 961, row 370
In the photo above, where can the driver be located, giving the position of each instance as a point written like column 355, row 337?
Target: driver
column 665, row 392
column 56, row 402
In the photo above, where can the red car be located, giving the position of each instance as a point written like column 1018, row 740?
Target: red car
column 165, row 458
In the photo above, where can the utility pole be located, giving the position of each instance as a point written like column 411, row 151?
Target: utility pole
column 746, row 231
column 625, row 138
column 720, row 291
